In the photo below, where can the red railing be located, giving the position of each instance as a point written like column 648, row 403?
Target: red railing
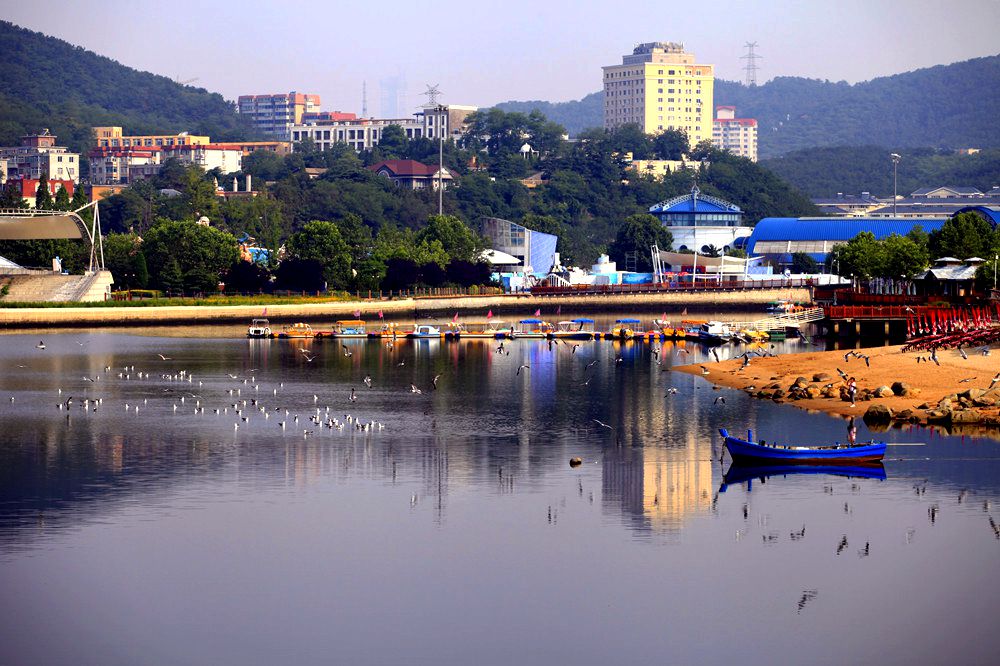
column 876, row 311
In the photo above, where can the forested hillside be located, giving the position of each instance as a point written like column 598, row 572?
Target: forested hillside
column 948, row 106
column 46, row 82
column 823, row 172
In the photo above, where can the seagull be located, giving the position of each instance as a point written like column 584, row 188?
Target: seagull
column 574, row 348
column 671, row 391
column 985, row 350
column 353, row 397
column 602, row 424
column 164, row 358
column 401, row 363
column 40, row 345
column 704, row 370
column 909, row 309
column 347, row 352
column 309, row 359
column 716, row 355
column 87, row 379
column 523, row 367
column 963, row 354
column 996, row 379
column 966, row 380
column 591, row 364
column 719, row 399
column 842, row 374
column 368, row 381
column 434, row 382
column 414, row 389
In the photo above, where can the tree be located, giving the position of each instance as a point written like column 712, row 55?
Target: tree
column 201, row 254
column 903, row 256
column 124, row 258
column 962, row 236
column 79, row 199
column 43, row 198
column 62, row 198
column 637, row 234
column 322, row 242
column 393, row 142
column 803, row 263
column 10, row 196
column 670, row 144
column 863, row 256
column 456, row 238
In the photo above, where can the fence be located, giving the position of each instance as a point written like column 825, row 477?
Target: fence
column 735, row 285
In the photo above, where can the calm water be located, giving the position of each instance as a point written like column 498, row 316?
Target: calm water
column 459, row 534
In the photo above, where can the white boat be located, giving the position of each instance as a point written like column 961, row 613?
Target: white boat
column 715, row 332
column 259, row 328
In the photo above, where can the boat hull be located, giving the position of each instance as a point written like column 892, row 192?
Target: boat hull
column 748, row 452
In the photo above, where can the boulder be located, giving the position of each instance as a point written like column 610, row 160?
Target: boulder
column 903, row 415
column 972, row 394
column 967, row 416
column 821, row 377
column 813, row 392
column 800, row 381
column 877, row 414
column 777, row 394
column 939, row 415
column 830, row 392
column 900, row 388
column 883, row 392
column 923, row 405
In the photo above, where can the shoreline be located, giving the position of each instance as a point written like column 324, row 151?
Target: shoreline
column 413, row 308
column 896, row 389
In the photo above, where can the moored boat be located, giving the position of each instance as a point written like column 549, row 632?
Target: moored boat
column 347, row 328
column 259, row 328
column 580, row 328
column 531, row 328
column 740, row 473
column 714, row 333
column 424, row 331
column 297, row 330
column 624, row 329
column 746, row 450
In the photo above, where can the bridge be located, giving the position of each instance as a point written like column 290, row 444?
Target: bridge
column 780, row 320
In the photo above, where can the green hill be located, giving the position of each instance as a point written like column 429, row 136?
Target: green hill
column 46, row 82
column 947, row 106
column 823, row 172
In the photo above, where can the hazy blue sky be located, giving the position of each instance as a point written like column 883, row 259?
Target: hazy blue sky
column 482, row 52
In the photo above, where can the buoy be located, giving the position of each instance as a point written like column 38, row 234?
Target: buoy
column 575, row 462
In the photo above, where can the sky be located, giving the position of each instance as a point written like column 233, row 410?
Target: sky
column 481, row 52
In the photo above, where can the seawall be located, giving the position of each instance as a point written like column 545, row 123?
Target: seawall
column 405, row 308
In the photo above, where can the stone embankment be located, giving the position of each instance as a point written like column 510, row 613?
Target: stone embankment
column 401, row 309
column 892, row 386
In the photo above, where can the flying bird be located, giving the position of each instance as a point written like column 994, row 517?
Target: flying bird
column 368, row 381
column 523, row 367
column 40, row 345
column 716, row 355
column 719, row 399
column 164, row 358
column 434, row 382
column 602, row 424
column 414, row 389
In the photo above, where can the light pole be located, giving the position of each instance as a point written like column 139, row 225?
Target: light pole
column 441, row 116
column 996, row 258
column 895, row 157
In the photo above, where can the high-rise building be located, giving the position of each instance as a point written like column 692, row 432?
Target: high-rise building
column 737, row 135
column 274, row 115
column 660, row 87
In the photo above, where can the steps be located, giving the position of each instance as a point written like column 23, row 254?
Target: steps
column 58, row 288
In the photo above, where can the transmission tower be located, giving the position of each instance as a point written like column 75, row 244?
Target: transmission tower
column 432, row 93
column 751, row 66
column 364, row 99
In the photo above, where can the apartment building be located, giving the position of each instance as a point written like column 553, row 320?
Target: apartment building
column 660, row 86
column 38, row 154
column 110, row 166
column 274, row 115
column 114, row 137
column 364, row 133
column 736, row 135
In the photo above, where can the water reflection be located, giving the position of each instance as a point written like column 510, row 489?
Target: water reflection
column 463, row 511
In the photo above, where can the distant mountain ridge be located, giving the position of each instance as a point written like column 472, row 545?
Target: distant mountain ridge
column 946, row 106
column 49, row 83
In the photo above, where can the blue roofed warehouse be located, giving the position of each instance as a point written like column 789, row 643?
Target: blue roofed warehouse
column 778, row 238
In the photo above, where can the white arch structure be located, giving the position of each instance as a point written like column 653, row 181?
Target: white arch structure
column 32, row 224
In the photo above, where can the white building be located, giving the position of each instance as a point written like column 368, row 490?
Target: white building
column 275, row 114
column 735, row 135
column 365, row 133
column 112, row 166
column 208, row 157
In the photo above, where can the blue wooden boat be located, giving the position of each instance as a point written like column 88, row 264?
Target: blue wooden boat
column 740, row 473
column 746, row 450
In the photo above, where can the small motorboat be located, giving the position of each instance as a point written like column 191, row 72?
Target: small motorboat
column 746, row 450
column 574, row 329
column 424, row 331
column 531, row 328
column 347, row 328
column 624, row 329
column 259, row 328
column 297, row 330
column 714, row 333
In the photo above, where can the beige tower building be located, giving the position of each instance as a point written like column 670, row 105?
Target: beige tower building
column 659, row 87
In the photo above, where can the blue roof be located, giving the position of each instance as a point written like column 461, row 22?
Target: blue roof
column 531, row 321
column 627, row 321
column 687, row 204
column 582, row 320
column 991, row 213
column 833, row 229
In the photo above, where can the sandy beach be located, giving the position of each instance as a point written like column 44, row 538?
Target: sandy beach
column 893, row 387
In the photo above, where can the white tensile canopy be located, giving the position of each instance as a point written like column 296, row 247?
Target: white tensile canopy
column 32, row 224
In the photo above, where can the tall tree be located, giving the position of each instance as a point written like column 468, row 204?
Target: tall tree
column 43, row 198
column 321, row 241
column 637, row 234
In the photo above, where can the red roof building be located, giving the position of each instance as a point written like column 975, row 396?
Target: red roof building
column 412, row 174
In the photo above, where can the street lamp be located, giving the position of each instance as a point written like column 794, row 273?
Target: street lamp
column 895, row 157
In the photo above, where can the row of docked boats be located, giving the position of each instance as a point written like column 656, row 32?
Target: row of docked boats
column 580, row 328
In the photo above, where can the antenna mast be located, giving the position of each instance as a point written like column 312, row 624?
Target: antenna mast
column 751, row 66
column 364, row 99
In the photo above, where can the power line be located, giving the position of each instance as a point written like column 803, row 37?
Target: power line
column 751, row 66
